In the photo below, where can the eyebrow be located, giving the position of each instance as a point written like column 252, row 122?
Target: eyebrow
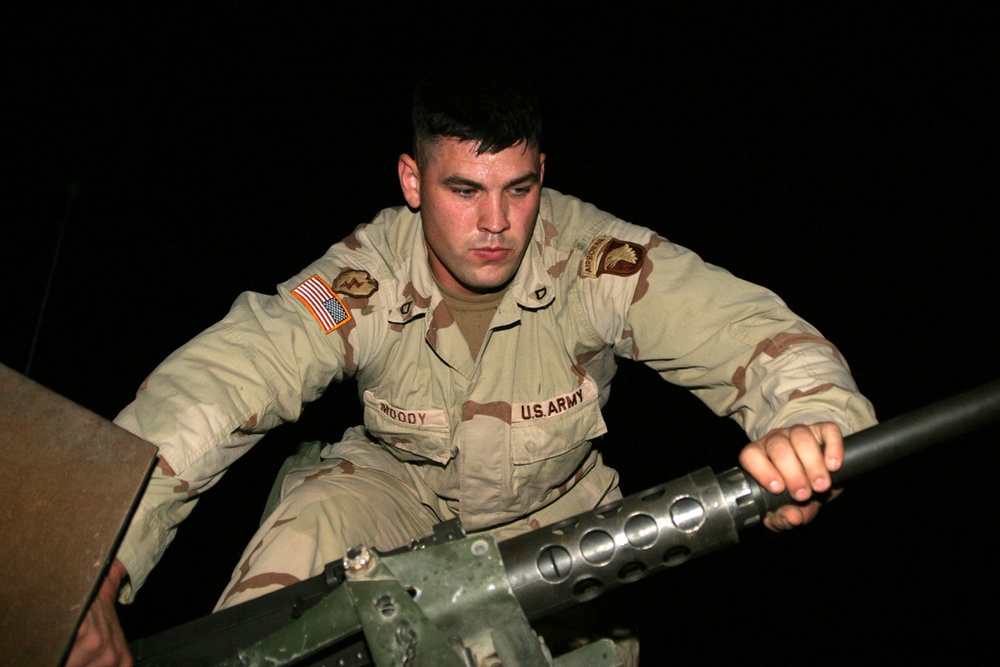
column 527, row 179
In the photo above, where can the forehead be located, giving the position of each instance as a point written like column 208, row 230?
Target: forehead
column 450, row 155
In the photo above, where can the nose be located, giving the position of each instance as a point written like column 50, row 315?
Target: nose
column 493, row 215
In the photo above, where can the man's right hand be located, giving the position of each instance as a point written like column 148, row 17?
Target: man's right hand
column 100, row 640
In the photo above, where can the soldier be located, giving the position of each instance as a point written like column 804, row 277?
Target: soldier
column 482, row 323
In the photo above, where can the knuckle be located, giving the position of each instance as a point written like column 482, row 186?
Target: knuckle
column 777, row 444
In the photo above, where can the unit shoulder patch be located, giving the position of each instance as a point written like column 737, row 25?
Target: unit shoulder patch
column 610, row 255
column 355, row 283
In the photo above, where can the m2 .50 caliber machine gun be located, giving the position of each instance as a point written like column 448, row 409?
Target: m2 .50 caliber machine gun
column 469, row 601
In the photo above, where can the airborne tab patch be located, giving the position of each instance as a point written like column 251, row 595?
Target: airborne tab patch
column 323, row 303
column 609, row 255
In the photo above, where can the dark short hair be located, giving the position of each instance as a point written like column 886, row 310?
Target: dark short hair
column 495, row 112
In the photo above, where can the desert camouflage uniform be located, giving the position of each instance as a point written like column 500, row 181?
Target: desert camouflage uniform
column 504, row 440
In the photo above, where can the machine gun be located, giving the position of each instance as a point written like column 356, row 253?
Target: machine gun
column 468, row 601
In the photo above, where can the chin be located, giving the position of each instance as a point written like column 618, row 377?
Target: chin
column 487, row 286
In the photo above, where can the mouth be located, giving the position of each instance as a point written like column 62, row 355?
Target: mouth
column 492, row 253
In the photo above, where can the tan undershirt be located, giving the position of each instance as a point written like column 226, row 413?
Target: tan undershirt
column 473, row 314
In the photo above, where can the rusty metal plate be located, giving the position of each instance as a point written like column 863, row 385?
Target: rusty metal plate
column 69, row 480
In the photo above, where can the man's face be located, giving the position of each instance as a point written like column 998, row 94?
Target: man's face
column 478, row 211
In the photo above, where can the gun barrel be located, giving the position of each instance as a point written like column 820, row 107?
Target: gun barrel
column 577, row 559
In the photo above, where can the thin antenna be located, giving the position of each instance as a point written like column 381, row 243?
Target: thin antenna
column 74, row 190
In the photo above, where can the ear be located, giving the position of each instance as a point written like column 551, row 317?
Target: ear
column 541, row 168
column 409, row 180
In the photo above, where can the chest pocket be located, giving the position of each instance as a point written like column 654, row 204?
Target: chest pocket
column 410, row 434
column 551, row 428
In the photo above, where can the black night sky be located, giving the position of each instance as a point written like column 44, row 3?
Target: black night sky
column 843, row 154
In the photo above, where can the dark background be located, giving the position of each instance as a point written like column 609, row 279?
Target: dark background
column 843, row 154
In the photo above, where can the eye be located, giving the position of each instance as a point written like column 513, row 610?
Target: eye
column 465, row 193
column 521, row 190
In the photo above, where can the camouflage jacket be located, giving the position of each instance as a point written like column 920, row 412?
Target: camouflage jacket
column 493, row 438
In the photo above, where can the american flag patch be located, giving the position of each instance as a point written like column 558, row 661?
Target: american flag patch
column 323, row 303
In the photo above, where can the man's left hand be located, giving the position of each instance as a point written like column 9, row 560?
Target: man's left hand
column 797, row 458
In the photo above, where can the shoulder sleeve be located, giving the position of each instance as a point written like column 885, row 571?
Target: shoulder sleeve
column 735, row 344
column 217, row 395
